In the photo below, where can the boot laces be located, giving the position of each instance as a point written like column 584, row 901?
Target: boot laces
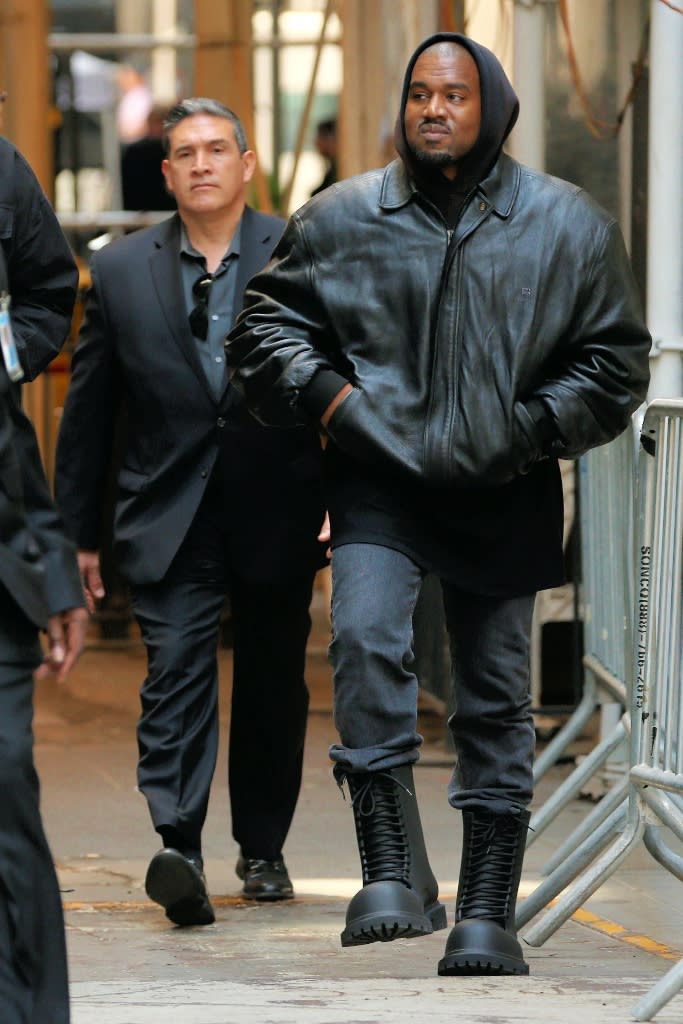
column 493, row 851
column 382, row 839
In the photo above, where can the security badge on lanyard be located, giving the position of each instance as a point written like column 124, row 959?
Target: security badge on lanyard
column 9, row 349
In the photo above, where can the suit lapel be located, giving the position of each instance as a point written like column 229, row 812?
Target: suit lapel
column 165, row 269
column 256, row 244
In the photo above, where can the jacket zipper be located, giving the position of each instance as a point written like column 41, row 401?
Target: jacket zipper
column 450, row 232
column 448, row 419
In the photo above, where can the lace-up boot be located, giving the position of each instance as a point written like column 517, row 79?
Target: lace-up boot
column 484, row 940
column 399, row 898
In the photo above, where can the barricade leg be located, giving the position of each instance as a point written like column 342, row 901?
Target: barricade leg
column 656, row 846
column 567, row 872
column 666, row 808
column 588, row 883
column 665, row 989
column 572, row 728
column 573, row 784
column 608, row 803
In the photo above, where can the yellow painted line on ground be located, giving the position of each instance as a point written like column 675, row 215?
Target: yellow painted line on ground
column 217, row 901
column 616, row 931
column 585, row 917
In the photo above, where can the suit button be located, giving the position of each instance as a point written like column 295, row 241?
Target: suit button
column 204, row 474
column 220, row 421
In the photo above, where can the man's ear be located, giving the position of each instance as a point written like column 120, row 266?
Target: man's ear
column 249, row 164
column 166, row 171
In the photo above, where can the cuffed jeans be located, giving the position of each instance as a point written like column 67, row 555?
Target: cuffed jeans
column 374, row 592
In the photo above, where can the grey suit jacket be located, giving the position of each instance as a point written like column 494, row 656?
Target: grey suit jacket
column 136, row 351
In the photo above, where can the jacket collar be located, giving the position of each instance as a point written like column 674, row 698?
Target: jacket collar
column 500, row 187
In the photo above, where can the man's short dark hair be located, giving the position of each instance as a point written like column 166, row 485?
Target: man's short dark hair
column 203, row 105
column 327, row 127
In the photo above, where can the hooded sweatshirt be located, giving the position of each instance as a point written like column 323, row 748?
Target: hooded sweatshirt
column 499, row 111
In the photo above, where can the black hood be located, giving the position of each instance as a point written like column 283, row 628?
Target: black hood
column 499, row 110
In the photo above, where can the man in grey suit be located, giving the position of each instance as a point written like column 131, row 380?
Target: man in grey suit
column 209, row 503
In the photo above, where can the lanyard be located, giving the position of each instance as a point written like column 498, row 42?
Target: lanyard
column 9, row 349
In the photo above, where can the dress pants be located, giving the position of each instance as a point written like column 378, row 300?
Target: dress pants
column 33, row 967
column 374, row 593
column 179, row 620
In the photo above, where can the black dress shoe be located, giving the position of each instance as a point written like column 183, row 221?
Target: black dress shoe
column 264, row 880
column 177, row 883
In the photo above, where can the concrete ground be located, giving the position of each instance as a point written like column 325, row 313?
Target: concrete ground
column 283, row 963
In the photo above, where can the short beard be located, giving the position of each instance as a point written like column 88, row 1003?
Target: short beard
column 429, row 159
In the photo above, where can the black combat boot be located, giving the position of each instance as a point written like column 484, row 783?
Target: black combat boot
column 484, row 940
column 399, row 898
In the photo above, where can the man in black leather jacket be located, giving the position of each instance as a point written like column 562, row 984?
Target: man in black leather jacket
column 456, row 321
column 40, row 589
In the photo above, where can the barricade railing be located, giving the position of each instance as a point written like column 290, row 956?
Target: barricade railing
column 653, row 787
column 606, row 490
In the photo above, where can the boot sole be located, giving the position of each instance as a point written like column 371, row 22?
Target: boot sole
column 386, row 930
column 388, row 927
column 480, row 963
column 481, row 946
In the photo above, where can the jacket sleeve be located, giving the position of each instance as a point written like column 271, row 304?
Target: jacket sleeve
column 62, row 581
column 282, row 338
column 602, row 372
column 42, row 273
column 86, row 432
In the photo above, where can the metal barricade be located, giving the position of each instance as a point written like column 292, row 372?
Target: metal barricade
column 606, row 477
column 654, row 783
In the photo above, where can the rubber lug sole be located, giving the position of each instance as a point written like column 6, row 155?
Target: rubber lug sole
column 480, row 946
column 480, row 963
column 386, row 911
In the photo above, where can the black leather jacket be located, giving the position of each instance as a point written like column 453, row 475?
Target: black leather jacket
column 472, row 353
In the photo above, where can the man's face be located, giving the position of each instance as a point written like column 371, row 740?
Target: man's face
column 443, row 110
column 205, row 170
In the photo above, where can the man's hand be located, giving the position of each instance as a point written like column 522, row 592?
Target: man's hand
column 325, row 534
column 66, row 639
column 89, row 565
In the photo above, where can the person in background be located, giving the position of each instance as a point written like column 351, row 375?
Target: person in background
column 456, row 322
column 326, row 145
column 142, row 181
column 209, row 503
column 135, row 103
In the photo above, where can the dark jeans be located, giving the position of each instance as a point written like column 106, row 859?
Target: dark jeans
column 374, row 592
column 178, row 730
column 33, row 968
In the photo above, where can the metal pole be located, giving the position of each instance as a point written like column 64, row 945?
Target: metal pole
column 527, row 142
column 110, row 42
column 665, row 202
column 277, row 110
column 306, row 112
